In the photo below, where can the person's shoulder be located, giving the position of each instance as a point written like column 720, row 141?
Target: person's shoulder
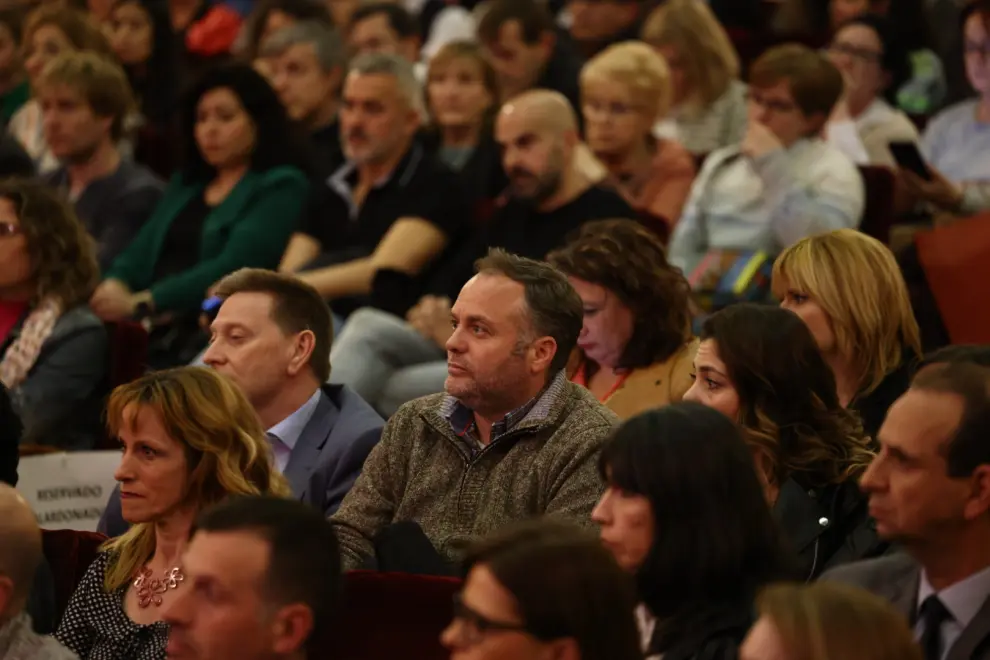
column 282, row 175
column 414, row 414
column 583, row 412
column 602, row 201
column 873, row 573
column 77, row 319
column 955, row 116
column 353, row 408
column 136, row 178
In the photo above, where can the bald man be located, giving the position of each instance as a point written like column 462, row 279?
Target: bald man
column 20, row 556
column 554, row 187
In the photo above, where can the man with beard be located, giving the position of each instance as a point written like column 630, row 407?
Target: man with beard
column 390, row 361
column 511, row 438
column 392, row 206
column 85, row 99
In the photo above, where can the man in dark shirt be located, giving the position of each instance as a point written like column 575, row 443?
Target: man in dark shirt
column 84, row 100
column 392, row 206
column 308, row 62
column 527, row 51
column 550, row 195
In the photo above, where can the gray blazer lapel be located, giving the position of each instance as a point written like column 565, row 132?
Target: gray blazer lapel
column 904, row 590
column 306, row 453
column 974, row 636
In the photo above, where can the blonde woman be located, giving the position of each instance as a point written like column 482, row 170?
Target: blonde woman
column 190, row 439
column 849, row 291
column 827, row 621
column 709, row 101
column 625, row 90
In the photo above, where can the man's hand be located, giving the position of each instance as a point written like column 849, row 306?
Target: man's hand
column 939, row 191
column 113, row 301
column 759, row 141
column 431, row 318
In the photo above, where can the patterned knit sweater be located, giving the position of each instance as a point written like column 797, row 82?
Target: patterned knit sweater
column 422, row 471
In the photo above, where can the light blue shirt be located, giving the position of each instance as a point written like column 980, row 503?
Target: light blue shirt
column 956, row 144
column 286, row 433
column 963, row 600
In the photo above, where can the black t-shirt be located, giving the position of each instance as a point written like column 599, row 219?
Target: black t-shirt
column 180, row 250
column 325, row 150
column 521, row 229
column 419, row 187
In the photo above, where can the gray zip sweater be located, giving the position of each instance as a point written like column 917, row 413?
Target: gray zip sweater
column 423, row 472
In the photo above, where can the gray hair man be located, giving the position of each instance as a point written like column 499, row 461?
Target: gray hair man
column 306, row 63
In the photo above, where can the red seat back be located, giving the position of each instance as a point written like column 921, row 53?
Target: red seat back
column 392, row 615
column 128, row 351
column 69, row 553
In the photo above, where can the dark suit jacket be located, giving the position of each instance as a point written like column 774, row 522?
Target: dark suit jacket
column 896, row 578
column 325, row 462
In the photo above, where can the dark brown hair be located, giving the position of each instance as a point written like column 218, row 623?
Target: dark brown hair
column 296, row 307
column 789, row 409
column 968, row 448
column 815, row 83
column 63, row 256
column 630, row 261
column 554, row 307
column 566, row 585
column 533, row 18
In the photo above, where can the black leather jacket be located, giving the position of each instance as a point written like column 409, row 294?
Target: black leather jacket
column 827, row 527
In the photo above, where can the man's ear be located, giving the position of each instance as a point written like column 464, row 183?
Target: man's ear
column 302, row 351
column 546, row 43
column 543, row 351
column 978, row 503
column 6, row 596
column 291, row 628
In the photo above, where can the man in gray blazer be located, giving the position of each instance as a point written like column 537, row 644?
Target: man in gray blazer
column 272, row 337
column 929, row 490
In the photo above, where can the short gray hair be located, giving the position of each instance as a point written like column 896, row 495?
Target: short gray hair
column 326, row 41
column 397, row 67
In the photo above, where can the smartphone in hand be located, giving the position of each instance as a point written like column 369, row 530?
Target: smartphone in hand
column 907, row 156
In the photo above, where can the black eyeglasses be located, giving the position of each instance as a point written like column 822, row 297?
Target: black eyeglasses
column 9, row 229
column 475, row 626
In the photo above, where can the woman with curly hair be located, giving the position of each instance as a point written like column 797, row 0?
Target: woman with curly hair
column 849, row 291
column 54, row 350
column 636, row 345
column 189, row 440
column 760, row 366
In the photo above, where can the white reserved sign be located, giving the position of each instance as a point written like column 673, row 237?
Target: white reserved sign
column 68, row 490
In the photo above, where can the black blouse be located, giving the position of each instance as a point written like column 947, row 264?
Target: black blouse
column 96, row 627
column 180, row 249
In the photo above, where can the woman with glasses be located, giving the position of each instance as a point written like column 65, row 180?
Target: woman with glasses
column 625, row 90
column 543, row 589
column 957, row 141
column 53, row 350
column 873, row 64
column 683, row 512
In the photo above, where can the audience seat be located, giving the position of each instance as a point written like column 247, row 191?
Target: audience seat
column 878, row 213
column 956, row 261
column 69, row 554
column 128, row 351
column 391, row 615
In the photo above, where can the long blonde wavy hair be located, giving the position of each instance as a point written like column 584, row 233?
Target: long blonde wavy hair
column 226, row 449
column 858, row 284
